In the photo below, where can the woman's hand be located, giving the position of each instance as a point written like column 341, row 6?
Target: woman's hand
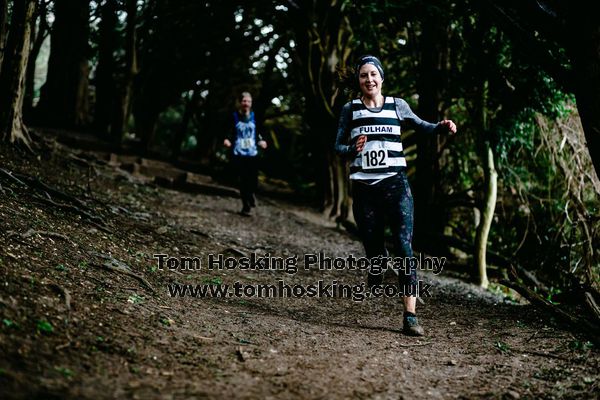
column 360, row 143
column 226, row 143
column 262, row 144
column 450, row 125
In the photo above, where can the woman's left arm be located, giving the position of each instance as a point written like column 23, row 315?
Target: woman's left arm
column 411, row 120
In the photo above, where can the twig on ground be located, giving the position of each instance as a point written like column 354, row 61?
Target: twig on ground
column 114, row 265
column 199, row 233
column 13, row 235
column 38, row 184
column 62, row 346
column 203, row 337
column 64, row 292
column 94, row 220
column 67, row 296
column 31, row 232
column 575, row 322
column 5, row 190
column 83, row 162
column 537, row 353
column 236, row 251
column 413, row 344
column 591, row 303
column 140, row 278
column 10, row 175
column 532, row 336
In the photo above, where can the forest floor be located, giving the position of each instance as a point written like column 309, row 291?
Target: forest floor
column 86, row 313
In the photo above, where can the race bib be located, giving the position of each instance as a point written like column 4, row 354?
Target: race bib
column 246, row 143
column 374, row 158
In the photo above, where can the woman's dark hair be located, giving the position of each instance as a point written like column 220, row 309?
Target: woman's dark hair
column 347, row 76
column 369, row 59
column 347, row 82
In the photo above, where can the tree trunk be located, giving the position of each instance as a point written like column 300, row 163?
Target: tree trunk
column 39, row 34
column 145, row 126
column 331, row 190
column 208, row 124
column 321, row 35
column 585, row 52
column 124, row 105
column 489, row 205
column 491, row 188
column 64, row 97
column 3, row 27
column 12, row 76
column 429, row 217
column 106, row 90
column 341, row 188
column 191, row 106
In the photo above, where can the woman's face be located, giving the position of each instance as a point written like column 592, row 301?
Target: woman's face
column 369, row 80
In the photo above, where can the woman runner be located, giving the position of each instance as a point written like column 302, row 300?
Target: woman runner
column 369, row 133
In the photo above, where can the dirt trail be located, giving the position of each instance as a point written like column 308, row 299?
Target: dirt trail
column 78, row 321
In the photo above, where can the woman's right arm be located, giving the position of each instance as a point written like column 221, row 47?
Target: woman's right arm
column 343, row 133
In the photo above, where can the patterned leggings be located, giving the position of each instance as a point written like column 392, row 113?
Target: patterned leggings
column 387, row 201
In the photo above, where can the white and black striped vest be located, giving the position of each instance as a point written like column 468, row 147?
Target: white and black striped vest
column 382, row 156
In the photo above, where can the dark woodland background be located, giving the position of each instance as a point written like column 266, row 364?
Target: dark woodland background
column 514, row 195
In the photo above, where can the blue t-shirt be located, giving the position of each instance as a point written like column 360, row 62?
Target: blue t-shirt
column 245, row 140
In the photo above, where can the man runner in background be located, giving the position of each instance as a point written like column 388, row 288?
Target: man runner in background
column 245, row 142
